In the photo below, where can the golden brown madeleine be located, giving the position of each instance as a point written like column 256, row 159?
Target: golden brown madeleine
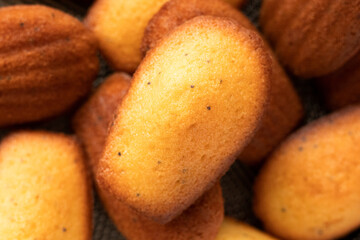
column 312, row 38
column 284, row 110
column 201, row 221
column 47, row 62
column 309, row 188
column 92, row 120
column 45, row 192
column 119, row 27
column 342, row 87
column 232, row 229
column 191, row 109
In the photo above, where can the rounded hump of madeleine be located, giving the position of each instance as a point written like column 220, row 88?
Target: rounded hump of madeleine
column 43, row 179
column 175, row 12
column 308, row 189
column 194, row 103
column 48, row 62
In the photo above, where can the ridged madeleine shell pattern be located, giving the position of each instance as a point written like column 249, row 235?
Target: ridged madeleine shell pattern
column 315, row 37
column 48, row 61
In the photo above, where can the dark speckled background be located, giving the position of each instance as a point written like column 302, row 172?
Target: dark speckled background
column 237, row 183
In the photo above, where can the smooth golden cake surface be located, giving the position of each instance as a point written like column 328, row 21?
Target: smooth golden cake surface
column 190, row 110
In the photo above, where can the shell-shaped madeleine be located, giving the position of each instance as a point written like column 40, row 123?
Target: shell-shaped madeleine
column 312, row 38
column 309, row 187
column 284, row 110
column 44, row 188
column 48, row 61
column 194, row 103
column 202, row 220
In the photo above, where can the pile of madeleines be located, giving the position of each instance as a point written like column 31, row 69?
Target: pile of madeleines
column 195, row 87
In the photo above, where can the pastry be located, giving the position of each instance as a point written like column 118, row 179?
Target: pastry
column 284, row 109
column 309, row 187
column 312, row 38
column 45, row 192
column 201, row 221
column 187, row 115
column 48, row 61
column 119, row 27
